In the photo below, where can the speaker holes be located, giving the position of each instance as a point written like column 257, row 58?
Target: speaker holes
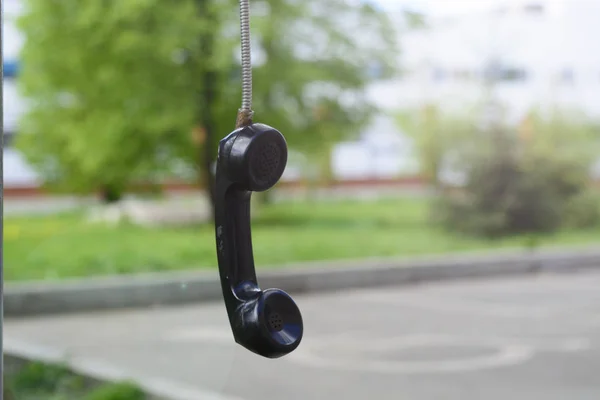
column 265, row 162
column 275, row 322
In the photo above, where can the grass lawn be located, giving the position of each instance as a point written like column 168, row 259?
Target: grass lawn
column 41, row 381
column 49, row 247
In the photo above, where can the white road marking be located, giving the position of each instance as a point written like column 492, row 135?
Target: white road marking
column 461, row 306
column 548, row 285
column 215, row 335
column 346, row 352
column 503, row 355
column 350, row 341
column 575, row 345
column 568, row 316
column 508, row 352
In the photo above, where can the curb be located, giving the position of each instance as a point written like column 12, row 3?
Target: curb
column 18, row 353
column 160, row 289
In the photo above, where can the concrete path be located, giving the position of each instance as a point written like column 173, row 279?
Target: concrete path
column 44, row 206
column 49, row 205
column 519, row 338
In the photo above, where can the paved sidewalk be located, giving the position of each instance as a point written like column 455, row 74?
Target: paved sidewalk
column 43, row 206
column 514, row 338
column 54, row 204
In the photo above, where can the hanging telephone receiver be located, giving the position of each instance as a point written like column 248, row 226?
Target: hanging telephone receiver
column 267, row 322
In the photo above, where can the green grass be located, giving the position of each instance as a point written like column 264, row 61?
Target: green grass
column 42, row 381
column 67, row 246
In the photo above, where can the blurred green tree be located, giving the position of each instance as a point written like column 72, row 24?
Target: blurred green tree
column 108, row 88
column 316, row 59
column 118, row 91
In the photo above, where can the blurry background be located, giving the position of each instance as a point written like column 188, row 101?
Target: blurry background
column 414, row 127
column 537, row 50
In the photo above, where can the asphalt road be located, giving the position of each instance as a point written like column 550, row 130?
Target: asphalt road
column 523, row 338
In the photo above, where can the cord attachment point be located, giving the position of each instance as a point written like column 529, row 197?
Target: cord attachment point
column 244, row 118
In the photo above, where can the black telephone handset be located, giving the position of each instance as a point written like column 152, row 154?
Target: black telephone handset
column 267, row 322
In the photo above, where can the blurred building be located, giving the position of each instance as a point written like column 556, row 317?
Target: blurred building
column 16, row 171
column 521, row 53
column 537, row 53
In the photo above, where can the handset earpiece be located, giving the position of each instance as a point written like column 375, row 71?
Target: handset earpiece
column 267, row 322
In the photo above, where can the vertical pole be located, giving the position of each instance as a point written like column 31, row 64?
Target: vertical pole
column 1, row 199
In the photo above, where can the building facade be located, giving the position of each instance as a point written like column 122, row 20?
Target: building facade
column 16, row 171
column 537, row 54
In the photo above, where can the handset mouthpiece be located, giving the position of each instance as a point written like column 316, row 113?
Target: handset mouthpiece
column 269, row 324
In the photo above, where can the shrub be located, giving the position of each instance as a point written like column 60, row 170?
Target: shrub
column 530, row 179
column 42, row 377
column 583, row 210
column 42, row 381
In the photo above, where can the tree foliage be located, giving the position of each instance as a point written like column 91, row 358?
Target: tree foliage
column 107, row 91
column 122, row 90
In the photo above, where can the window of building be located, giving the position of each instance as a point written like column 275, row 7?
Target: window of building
column 513, row 74
column 463, row 74
column 9, row 138
column 375, row 70
column 497, row 72
column 534, row 8
column 439, row 75
column 567, row 76
column 11, row 69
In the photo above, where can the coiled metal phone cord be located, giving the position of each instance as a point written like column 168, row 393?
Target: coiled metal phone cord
column 245, row 113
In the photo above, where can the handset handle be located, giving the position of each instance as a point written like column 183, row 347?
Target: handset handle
column 269, row 323
column 234, row 239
